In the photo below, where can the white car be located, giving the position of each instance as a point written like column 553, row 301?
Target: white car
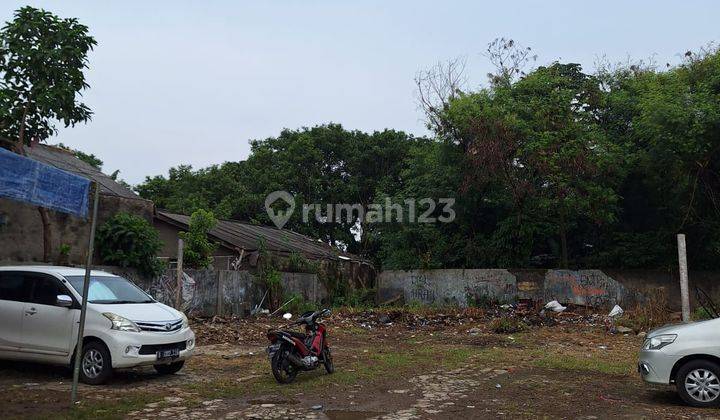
column 687, row 355
column 125, row 327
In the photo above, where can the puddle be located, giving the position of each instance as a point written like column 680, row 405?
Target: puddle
column 350, row 415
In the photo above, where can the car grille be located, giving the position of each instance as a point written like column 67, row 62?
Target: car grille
column 154, row 348
column 166, row 326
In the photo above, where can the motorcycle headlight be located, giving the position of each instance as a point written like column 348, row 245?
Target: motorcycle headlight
column 659, row 341
column 185, row 322
column 121, row 323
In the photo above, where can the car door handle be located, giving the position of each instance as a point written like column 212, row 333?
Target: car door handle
column 31, row 311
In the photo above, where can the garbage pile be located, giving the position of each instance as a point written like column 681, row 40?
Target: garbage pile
column 524, row 313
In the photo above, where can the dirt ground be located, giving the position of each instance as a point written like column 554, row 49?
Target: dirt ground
column 389, row 365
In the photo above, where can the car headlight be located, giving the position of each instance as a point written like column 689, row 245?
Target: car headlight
column 659, row 341
column 120, row 323
column 185, row 322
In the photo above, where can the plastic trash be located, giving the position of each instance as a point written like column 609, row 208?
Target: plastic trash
column 616, row 311
column 555, row 306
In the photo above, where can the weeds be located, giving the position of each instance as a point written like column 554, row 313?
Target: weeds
column 701, row 314
column 507, row 325
column 652, row 312
column 566, row 362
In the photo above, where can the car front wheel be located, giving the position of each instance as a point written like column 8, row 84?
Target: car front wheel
column 698, row 383
column 95, row 364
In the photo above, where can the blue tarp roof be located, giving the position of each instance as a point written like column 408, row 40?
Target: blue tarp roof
column 30, row 181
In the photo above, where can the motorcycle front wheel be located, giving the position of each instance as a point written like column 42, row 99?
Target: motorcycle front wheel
column 328, row 361
column 283, row 371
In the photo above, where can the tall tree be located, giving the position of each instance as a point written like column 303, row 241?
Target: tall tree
column 42, row 63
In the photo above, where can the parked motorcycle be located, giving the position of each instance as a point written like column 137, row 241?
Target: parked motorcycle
column 291, row 352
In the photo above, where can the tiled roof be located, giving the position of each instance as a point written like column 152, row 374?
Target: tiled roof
column 234, row 234
column 66, row 160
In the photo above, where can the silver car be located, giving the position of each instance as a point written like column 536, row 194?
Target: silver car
column 687, row 355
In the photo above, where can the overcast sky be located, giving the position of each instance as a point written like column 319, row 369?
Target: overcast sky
column 177, row 82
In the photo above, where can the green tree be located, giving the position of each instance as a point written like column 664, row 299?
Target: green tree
column 198, row 247
column 219, row 188
column 127, row 240
column 42, row 63
column 671, row 120
column 325, row 164
column 535, row 148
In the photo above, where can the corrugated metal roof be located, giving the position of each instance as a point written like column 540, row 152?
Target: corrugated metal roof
column 66, row 160
column 234, row 234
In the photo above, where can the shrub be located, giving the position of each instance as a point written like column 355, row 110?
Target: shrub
column 198, row 248
column 360, row 298
column 130, row 241
column 64, row 254
column 298, row 305
column 652, row 312
column 701, row 314
column 507, row 325
column 271, row 280
column 297, row 263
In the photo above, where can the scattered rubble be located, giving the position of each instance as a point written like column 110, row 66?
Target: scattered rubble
column 502, row 319
column 623, row 330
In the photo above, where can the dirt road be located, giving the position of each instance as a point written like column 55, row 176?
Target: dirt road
column 392, row 370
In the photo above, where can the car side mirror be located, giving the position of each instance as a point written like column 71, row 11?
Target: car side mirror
column 287, row 315
column 64, row 300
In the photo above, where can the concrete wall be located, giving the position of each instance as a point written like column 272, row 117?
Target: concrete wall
column 447, row 287
column 306, row 285
column 220, row 292
column 21, row 234
column 598, row 288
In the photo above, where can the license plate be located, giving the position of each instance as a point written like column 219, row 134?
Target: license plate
column 168, row 354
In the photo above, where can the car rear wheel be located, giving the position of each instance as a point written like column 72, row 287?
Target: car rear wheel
column 169, row 369
column 95, row 364
column 698, row 383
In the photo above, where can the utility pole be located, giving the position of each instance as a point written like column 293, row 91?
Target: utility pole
column 684, row 293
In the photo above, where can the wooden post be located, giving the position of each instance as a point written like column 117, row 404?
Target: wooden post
column 178, row 291
column 684, row 293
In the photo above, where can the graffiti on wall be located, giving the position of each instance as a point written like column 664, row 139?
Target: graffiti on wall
column 421, row 289
column 462, row 287
column 164, row 289
column 583, row 287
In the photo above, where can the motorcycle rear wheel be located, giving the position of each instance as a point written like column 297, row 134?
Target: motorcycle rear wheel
column 328, row 361
column 283, row 371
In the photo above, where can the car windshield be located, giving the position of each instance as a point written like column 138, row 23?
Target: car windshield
column 112, row 290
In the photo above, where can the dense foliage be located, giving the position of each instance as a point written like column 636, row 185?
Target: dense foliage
column 554, row 167
column 199, row 249
column 127, row 240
